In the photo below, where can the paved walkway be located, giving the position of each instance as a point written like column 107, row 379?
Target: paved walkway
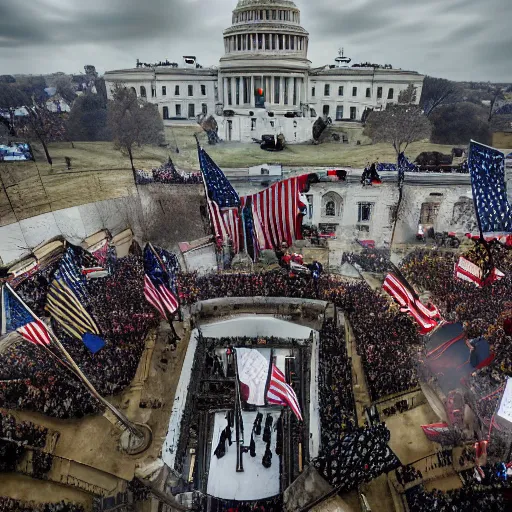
column 361, row 394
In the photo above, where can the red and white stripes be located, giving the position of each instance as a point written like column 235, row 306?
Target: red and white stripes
column 426, row 317
column 35, row 332
column 281, row 393
column 161, row 298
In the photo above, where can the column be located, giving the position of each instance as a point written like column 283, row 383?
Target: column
column 290, row 91
column 263, row 41
column 299, row 90
column 253, row 101
column 225, row 91
column 233, row 91
column 281, row 91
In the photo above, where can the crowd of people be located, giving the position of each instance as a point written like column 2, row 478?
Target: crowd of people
column 167, row 174
column 466, row 499
column 12, row 505
column 337, row 404
column 386, row 339
column 369, row 260
column 483, row 311
column 30, row 378
column 24, row 432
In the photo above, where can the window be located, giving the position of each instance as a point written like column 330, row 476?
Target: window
column 313, row 91
column 463, row 213
column 339, row 112
column 391, row 93
column 142, row 91
column 178, row 110
column 429, row 213
column 330, row 209
column 133, row 90
column 325, row 110
column 364, row 212
column 327, row 90
column 237, row 90
column 363, row 228
column 379, row 93
column 341, row 90
column 191, row 110
column 353, row 113
column 176, row 90
column 203, row 90
column 191, row 90
column 354, row 91
column 253, row 124
column 264, row 172
column 204, row 108
column 247, row 90
column 153, row 92
column 164, row 91
column 310, row 206
column 166, row 112
column 368, row 92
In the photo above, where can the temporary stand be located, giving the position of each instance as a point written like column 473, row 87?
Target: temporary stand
column 135, row 438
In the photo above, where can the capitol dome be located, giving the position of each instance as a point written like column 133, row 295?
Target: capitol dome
column 266, row 28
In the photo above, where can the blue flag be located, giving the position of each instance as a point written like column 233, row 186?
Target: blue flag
column 487, row 168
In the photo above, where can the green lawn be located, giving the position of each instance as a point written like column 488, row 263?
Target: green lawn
column 102, row 156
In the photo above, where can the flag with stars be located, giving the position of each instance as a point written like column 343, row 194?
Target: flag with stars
column 223, row 201
column 487, row 169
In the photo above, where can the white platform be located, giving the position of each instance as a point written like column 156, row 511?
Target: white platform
column 256, row 482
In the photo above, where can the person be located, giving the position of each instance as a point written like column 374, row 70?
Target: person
column 267, row 457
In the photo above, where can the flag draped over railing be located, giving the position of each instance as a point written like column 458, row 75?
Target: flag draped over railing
column 273, row 216
column 158, row 285
column 279, row 211
column 426, row 317
column 487, row 168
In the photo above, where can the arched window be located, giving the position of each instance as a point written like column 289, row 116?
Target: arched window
column 204, row 108
column 332, row 205
column 166, row 112
column 142, row 91
column 133, row 90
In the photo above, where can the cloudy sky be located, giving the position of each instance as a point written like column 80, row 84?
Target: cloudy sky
column 456, row 39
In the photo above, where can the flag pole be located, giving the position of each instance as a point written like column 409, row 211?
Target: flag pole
column 123, row 422
column 238, row 423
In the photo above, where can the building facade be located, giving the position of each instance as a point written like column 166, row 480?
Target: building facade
column 264, row 83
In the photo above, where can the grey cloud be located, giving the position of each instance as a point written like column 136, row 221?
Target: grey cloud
column 459, row 39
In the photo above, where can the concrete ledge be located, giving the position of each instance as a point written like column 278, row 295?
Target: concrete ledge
column 307, row 312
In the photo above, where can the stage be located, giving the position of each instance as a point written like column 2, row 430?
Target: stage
column 256, row 482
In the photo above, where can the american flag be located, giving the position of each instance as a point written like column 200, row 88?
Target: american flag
column 281, row 393
column 157, row 285
column 426, row 317
column 487, row 168
column 277, row 211
column 223, row 201
column 17, row 317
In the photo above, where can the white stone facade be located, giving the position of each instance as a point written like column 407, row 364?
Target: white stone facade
column 264, row 83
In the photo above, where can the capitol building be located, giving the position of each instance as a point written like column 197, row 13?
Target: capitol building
column 264, row 83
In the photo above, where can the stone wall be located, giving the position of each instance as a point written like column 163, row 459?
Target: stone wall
column 164, row 214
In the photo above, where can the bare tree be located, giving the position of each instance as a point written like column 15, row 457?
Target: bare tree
column 496, row 102
column 11, row 98
column 45, row 126
column 133, row 122
column 65, row 87
column 398, row 125
column 437, row 92
column 408, row 96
